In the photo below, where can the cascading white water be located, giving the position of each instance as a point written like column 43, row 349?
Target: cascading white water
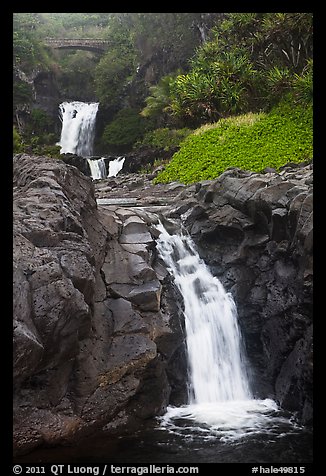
column 217, row 372
column 77, row 137
column 219, row 390
column 115, row 166
column 78, row 127
column 98, row 168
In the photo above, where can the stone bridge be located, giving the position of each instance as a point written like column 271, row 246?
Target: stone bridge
column 89, row 44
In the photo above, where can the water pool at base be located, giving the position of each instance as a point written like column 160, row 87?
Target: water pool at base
column 180, row 441
column 222, row 423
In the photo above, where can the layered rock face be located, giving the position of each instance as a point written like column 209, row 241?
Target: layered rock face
column 91, row 321
column 255, row 233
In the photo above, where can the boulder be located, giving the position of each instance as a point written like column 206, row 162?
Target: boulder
column 77, row 161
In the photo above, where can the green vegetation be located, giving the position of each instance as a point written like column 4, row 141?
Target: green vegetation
column 250, row 62
column 164, row 138
column 166, row 74
column 29, row 50
column 22, row 93
column 125, row 129
column 35, row 145
column 17, row 142
column 166, row 40
column 250, row 142
column 37, row 137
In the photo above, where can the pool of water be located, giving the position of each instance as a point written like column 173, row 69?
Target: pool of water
column 182, row 441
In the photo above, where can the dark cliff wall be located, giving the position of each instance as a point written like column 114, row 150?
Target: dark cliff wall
column 91, row 318
column 45, row 96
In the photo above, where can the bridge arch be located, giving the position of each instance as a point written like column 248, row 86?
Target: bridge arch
column 89, row 44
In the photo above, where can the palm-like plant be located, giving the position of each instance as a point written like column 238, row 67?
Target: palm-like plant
column 159, row 100
column 303, row 84
column 215, row 89
column 250, row 63
column 278, row 79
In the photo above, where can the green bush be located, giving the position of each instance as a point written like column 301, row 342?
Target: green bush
column 22, row 93
column 303, row 84
column 250, row 142
column 248, row 63
column 126, row 128
column 34, row 145
column 164, row 138
column 17, row 142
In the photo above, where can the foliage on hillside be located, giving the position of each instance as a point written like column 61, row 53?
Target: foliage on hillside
column 29, row 51
column 163, row 138
column 118, row 78
column 251, row 61
column 124, row 130
column 250, row 142
column 177, row 70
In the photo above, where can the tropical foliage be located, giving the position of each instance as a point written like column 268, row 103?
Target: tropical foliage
column 164, row 74
column 251, row 61
column 125, row 129
column 252, row 141
column 164, row 138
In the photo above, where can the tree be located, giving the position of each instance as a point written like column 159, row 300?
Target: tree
column 250, row 62
column 29, row 51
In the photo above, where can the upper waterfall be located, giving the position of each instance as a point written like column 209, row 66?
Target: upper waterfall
column 78, row 127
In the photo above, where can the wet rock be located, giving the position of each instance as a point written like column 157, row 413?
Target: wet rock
column 255, row 231
column 98, row 336
column 77, row 161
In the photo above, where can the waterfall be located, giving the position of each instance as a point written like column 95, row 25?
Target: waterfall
column 78, row 131
column 98, row 168
column 219, row 395
column 216, row 368
column 115, row 166
column 78, row 127
column 77, row 137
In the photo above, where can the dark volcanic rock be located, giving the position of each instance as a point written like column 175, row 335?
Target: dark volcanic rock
column 89, row 326
column 77, row 161
column 98, row 328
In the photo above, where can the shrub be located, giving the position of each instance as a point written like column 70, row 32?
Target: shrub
column 303, row 84
column 251, row 142
column 126, row 128
column 17, row 142
column 164, row 138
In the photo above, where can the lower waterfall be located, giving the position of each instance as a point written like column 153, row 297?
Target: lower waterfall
column 219, row 396
column 98, row 168
column 115, row 166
